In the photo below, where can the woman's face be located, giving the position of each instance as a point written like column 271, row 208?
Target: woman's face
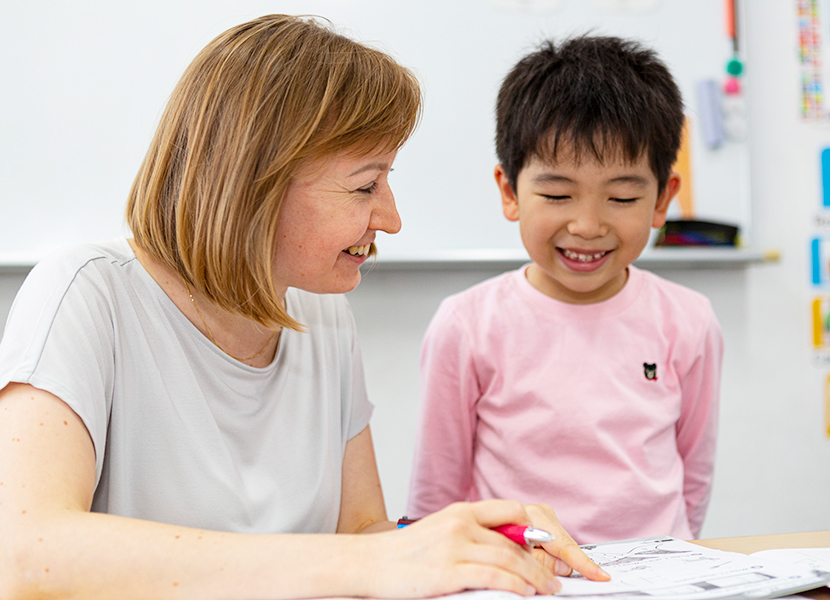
column 329, row 217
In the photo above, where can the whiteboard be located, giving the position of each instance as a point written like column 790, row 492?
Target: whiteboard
column 84, row 84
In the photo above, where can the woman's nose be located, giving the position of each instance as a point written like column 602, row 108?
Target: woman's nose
column 385, row 216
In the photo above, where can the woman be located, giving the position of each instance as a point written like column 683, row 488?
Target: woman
column 173, row 404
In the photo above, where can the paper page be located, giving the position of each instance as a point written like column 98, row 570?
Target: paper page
column 814, row 558
column 667, row 567
column 664, row 567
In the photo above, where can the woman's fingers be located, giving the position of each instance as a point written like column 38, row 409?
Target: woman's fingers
column 563, row 547
column 495, row 550
column 454, row 550
column 573, row 556
column 493, row 513
column 479, row 576
column 551, row 563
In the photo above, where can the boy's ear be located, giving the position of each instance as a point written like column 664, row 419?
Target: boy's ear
column 665, row 198
column 509, row 202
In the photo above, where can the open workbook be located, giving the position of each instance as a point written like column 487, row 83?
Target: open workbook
column 668, row 568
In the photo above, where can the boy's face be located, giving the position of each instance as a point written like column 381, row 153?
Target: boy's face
column 584, row 223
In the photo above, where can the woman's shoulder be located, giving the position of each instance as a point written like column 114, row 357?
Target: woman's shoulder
column 79, row 279
column 64, row 264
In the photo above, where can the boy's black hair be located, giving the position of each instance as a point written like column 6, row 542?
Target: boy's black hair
column 596, row 94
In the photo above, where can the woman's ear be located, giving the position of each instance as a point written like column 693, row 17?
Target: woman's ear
column 509, row 202
column 664, row 199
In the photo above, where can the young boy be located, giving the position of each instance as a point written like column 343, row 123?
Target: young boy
column 579, row 380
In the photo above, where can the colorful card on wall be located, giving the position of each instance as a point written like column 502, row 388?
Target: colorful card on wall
column 821, row 322
column 820, row 259
column 825, row 177
column 813, row 48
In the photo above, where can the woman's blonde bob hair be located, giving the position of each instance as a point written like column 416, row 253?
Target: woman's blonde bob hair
column 257, row 103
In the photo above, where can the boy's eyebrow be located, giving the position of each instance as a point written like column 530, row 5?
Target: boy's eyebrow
column 551, row 178
column 554, row 178
column 633, row 179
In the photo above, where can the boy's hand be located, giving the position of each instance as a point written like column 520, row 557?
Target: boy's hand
column 562, row 555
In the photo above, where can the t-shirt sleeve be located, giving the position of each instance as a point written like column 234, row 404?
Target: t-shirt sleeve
column 698, row 424
column 59, row 338
column 357, row 407
column 442, row 471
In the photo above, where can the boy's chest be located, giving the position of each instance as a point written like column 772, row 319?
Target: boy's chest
column 602, row 373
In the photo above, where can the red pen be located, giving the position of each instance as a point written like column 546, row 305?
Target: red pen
column 521, row 534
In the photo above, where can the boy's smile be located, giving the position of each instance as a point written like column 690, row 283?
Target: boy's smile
column 583, row 223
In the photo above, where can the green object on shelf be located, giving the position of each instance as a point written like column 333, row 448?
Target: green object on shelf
column 734, row 67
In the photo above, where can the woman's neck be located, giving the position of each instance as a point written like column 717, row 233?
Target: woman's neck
column 239, row 337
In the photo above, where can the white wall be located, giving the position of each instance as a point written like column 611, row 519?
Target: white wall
column 773, row 465
column 113, row 66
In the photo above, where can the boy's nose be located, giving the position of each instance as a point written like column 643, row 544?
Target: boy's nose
column 587, row 224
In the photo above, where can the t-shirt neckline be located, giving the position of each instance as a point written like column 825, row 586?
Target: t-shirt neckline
column 611, row 307
column 173, row 310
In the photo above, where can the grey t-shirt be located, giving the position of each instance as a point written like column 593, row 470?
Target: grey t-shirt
column 183, row 433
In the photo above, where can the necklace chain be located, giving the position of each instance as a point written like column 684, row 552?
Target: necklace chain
column 213, row 339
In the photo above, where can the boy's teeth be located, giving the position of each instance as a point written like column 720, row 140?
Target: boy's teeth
column 583, row 257
column 359, row 250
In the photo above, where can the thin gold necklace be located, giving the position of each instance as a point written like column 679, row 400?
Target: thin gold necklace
column 213, row 339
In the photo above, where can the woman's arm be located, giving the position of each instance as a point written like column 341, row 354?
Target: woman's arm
column 53, row 547
column 361, row 498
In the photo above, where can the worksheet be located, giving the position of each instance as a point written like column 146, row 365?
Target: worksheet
column 665, row 567
column 815, row 558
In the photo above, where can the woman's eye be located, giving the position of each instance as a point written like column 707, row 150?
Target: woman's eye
column 369, row 188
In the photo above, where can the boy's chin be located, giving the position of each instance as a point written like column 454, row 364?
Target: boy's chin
column 578, row 287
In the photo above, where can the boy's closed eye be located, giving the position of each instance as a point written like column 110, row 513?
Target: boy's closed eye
column 613, row 199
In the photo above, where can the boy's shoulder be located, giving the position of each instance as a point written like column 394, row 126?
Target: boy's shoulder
column 483, row 302
column 653, row 283
column 485, row 292
column 670, row 298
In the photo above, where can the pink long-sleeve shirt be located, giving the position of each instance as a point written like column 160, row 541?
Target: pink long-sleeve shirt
column 606, row 411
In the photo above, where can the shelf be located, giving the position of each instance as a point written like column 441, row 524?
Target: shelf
column 653, row 258
column 18, row 263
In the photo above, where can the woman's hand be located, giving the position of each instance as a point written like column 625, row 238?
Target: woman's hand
column 455, row 549
column 561, row 556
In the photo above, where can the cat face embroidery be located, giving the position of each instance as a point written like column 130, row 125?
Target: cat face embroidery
column 650, row 371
